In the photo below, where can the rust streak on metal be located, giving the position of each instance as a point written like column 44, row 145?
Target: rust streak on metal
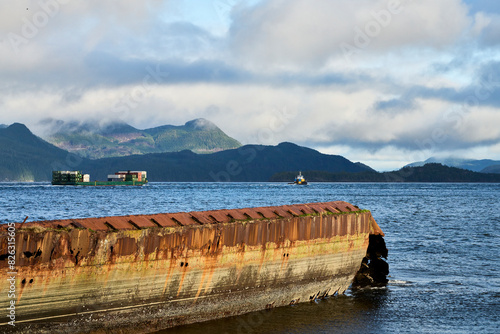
column 186, row 262
column 169, row 273
column 374, row 228
column 183, row 277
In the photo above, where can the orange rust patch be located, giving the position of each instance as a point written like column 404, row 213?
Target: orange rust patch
column 316, row 207
column 219, row 216
column 292, row 209
column 250, row 213
column 374, row 228
column 202, row 217
column 125, row 246
column 304, row 209
column 141, row 221
column 236, row 214
column 331, row 207
column 119, row 223
column 97, row 224
column 280, row 211
column 163, row 220
column 266, row 212
column 182, row 218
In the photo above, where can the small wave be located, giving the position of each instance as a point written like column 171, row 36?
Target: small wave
column 399, row 282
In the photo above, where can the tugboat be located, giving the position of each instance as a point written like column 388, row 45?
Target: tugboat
column 299, row 179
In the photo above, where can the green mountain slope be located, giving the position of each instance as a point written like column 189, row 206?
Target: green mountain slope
column 120, row 139
column 26, row 157
column 247, row 163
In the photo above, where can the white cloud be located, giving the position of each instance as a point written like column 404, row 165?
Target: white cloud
column 279, row 74
column 305, row 33
column 481, row 125
column 487, row 27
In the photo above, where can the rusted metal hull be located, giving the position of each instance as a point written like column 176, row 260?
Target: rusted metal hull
column 144, row 273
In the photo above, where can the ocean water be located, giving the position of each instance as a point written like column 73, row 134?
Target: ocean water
column 443, row 242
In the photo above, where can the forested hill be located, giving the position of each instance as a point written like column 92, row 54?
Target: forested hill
column 26, row 157
column 247, row 163
column 431, row 172
column 93, row 140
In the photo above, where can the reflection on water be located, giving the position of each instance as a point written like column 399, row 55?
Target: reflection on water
column 355, row 312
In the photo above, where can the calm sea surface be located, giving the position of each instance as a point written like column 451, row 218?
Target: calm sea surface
column 443, row 242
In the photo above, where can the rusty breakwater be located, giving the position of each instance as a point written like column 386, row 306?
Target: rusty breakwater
column 133, row 274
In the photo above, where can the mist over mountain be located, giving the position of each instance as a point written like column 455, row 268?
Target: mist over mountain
column 92, row 139
column 491, row 169
column 26, row 157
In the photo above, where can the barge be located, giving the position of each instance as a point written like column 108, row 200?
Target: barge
column 143, row 273
column 76, row 178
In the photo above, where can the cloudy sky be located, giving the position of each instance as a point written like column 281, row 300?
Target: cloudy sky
column 384, row 82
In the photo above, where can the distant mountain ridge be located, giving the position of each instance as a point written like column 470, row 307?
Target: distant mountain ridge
column 94, row 141
column 245, row 164
column 492, row 169
column 431, row 172
column 481, row 166
column 26, row 157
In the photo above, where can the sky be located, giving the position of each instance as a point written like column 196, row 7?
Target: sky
column 383, row 82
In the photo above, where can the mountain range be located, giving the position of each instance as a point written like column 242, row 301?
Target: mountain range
column 115, row 139
column 247, row 163
column 482, row 166
column 26, row 157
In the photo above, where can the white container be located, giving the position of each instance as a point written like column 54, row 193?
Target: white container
column 113, row 177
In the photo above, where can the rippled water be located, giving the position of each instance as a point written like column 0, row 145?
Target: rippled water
column 443, row 242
